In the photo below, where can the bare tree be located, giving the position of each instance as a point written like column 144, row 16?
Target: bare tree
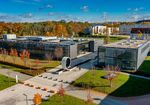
column 89, row 98
column 58, row 52
column 48, row 56
column 61, row 93
column 8, row 75
column 106, row 37
column 112, row 72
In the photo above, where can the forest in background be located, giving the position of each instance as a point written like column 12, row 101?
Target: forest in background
column 52, row 28
column 49, row 28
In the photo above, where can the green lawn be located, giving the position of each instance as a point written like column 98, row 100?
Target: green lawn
column 6, row 82
column 67, row 100
column 11, row 67
column 145, row 67
column 123, row 85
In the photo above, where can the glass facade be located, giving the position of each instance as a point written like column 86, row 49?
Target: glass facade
column 82, row 48
column 41, row 49
column 37, row 50
column 124, row 58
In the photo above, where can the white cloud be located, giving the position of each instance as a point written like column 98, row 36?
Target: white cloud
column 46, row 7
column 32, row 2
column 85, row 8
column 135, row 9
column 27, row 15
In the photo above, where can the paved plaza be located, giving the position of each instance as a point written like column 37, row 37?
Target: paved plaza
column 14, row 94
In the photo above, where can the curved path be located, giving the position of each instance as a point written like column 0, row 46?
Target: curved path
column 104, row 99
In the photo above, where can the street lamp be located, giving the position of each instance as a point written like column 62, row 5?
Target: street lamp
column 26, row 98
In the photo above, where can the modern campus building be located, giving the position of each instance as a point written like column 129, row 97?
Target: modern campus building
column 41, row 47
column 140, row 33
column 125, row 29
column 103, row 30
column 127, row 54
column 98, row 29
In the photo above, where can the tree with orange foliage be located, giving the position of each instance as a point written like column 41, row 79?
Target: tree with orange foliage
column 25, row 55
column 4, row 54
column 47, row 33
column 37, row 99
column 37, row 62
column 61, row 92
column 60, row 30
column 14, row 54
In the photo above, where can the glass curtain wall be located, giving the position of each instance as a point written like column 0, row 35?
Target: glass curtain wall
column 124, row 58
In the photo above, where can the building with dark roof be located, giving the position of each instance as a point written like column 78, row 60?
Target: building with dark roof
column 140, row 33
column 40, row 46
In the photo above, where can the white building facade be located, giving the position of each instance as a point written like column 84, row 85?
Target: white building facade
column 98, row 29
column 9, row 36
column 103, row 30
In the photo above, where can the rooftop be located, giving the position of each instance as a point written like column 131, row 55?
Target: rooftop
column 47, row 40
column 127, row 44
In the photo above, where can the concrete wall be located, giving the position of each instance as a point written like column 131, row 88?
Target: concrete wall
column 98, row 43
column 142, row 55
column 93, row 45
column 73, row 51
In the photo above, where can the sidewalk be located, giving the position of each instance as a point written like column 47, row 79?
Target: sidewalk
column 12, row 74
column 138, row 76
column 104, row 99
column 98, row 98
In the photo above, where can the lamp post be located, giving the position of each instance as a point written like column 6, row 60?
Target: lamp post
column 26, row 99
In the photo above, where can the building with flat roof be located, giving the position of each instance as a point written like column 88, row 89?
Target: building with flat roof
column 9, row 36
column 98, row 29
column 140, row 33
column 125, row 29
column 41, row 47
column 127, row 54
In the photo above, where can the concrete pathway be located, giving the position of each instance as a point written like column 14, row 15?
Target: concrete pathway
column 98, row 98
column 138, row 76
column 49, row 80
column 12, row 74
column 103, row 99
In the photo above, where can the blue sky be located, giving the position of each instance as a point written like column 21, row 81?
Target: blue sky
column 76, row 10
